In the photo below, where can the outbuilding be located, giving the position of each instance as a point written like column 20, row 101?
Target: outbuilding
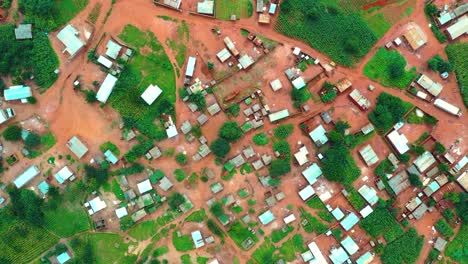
column 276, row 85
column 306, row 192
column 206, row 7
column 266, row 218
column 106, row 88
column 318, row 136
column 458, row 29
column 77, row 147
column 190, row 66
column 121, row 212
column 368, row 155
column 23, row 31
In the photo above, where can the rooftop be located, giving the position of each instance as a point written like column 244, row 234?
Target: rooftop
column 151, row 94
column 312, row 173
column 69, row 37
column 77, row 147
column 266, row 218
column 106, row 88
column 144, row 186
column 29, row 174
column 318, row 136
column 113, row 49
column 23, row 31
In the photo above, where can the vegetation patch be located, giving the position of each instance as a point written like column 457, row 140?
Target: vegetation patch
column 261, row 139
column 444, row 228
column 405, row 249
column 283, row 131
column 313, row 224
column 380, row 221
column 460, row 65
column 265, row 253
column 389, row 110
column 110, row 248
column 144, row 230
column 197, row 216
column 456, row 249
column 279, row 234
column 182, row 243
column 388, row 67
column 240, row 8
column 152, row 67
column 240, row 233
column 178, row 44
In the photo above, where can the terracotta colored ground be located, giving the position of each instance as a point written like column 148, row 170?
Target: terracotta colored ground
column 68, row 114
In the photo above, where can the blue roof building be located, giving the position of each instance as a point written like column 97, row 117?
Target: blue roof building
column 26, row 176
column 43, row 187
column 17, row 92
column 349, row 221
column 266, row 218
column 111, row 157
column 63, row 258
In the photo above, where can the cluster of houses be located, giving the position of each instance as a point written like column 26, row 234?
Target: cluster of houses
column 454, row 21
column 265, row 12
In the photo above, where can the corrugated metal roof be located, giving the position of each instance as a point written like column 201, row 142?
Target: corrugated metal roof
column 69, row 37
column 106, row 88
column 113, row 49
column 17, row 92
column 26, row 176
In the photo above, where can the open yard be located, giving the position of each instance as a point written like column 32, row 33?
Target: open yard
column 389, row 69
column 110, row 248
column 151, row 65
column 241, row 8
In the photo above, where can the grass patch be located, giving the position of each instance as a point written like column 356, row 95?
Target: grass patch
column 197, row 216
column 456, row 249
column 178, row 44
column 279, row 234
column 225, row 8
column 460, row 65
column 261, row 139
column 265, row 253
column 313, row 224
column 240, row 233
column 95, row 12
column 380, row 221
column 160, row 251
column 67, row 208
column 150, row 65
column 182, row 243
column 110, row 248
column 355, row 198
column 144, row 230
column 292, row 246
column 185, row 259
column 378, row 23
column 387, row 67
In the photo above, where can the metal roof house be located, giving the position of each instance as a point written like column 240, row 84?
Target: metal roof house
column 113, row 49
column 298, row 83
column 144, row 186
column 368, row 155
column 349, row 245
column 338, row 255
column 63, row 175
column 431, row 188
column 23, row 31
column 190, row 66
column 359, row 99
column 366, row 258
column 77, row 147
column 349, row 221
column 276, row 84
column 213, row 109
column 246, row 61
column 369, row 194
column 63, row 258
column 105, row 61
column 424, row 161
column 106, row 88
column 463, row 180
column 151, row 94
column 306, row 192
column 399, row 182
column 206, row 7
column 259, row 6
column 29, row 174
column 337, row 213
column 43, row 187
column 399, row 141
column 17, row 92
column 429, row 85
column 223, row 55
column 110, row 157
column 266, row 218
column 458, row 29
column 69, row 37
column 276, row 116
column 173, row 3
column 415, row 38
column 318, row 136
column 312, row 173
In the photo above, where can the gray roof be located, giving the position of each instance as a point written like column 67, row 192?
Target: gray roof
column 266, row 159
column 326, row 117
column 248, row 152
column 23, row 31
column 204, row 150
column 186, row 127
column 155, row 152
column 214, row 109
column 202, row 119
column 77, row 147
column 238, row 160
column 440, row 244
column 420, row 211
column 258, row 164
column 165, row 184
column 399, row 182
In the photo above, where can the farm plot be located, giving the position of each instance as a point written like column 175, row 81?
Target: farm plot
column 344, row 36
column 460, row 65
column 239, row 233
column 389, row 69
column 22, row 242
column 151, row 65
column 110, row 248
column 241, row 8
column 381, row 222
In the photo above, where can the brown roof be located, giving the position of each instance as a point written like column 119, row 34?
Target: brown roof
column 414, row 38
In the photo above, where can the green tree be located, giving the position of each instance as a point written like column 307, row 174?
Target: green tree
column 181, row 159
column 396, row 69
column 279, row 167
column 341, row 127
column 32, row 100
column 230, row 131
column 217, row 209
column 220, row 147
column 90, row 96
column 25, row 204
column 12, row 133
column 175, row 200
column 431, row 10
column 32, row 140
column 210, row 65
column 198, row 99
column 42, row 8
column 100, row 175
column 414, row 180
column 283, row 131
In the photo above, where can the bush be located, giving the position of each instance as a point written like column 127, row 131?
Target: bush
column 405, row 158
column 261, row 139
column 175, row 200
column 109, row 146
column 444, row 228
column 213, row 227
column 181, row 159
column 439, row 148
column 32, row 100
column 328, row 96
column 339, row 165
column 283, row 131
column 12, row 133
column 279, row 167
column 138, row 150
column 388, row 111
column 405, row 249
column 32, row 140
column 381, row 221
column 234, row 109
column 438, row 64
column 415, row 181
column 220, row 147
column 198, row 99
column 230, row 131
column 90, row 96
column 132, row 169
column 384, row 167
column 447, row 213
column 300, row 96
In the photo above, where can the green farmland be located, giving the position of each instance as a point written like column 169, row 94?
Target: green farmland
column 241, row 8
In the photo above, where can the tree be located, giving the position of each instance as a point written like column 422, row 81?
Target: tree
column 181, row 159
column 396, row 69
column 328, row 96
column 339, row 165
column 99, row 174
column 431, row 10
column 43, row 8
column 12, row 133
column 405, row 158
column 32, row 140
column 418, row 149
column 90, row 96
column 300, row 95
column 25, row 204
column 341, row 127
column 414, row 180
column 32, row 100
column 217, row 209
column 283, row 131
column 210, row 66
column 230, row 131
column 279, row 167
column 220, row 147
column 175, row 200
column 198, row 99
column 443, row 167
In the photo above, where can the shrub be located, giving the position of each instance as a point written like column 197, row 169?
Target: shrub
column 198, row 99
column 32, row 140
column 439, row 148
column 438, row 64
column 213, row 227
column 261, row 139
column 230, row 131
column 328, row 96
column 181, row 159
column 175, row 200
column 405, row 249
column 388, row 111
column 217, row 209
column 444, row 228
column 383, row 168
column 300, row 95
column 90, row 96
column 12, row 133
column 32, row 100
column 210, row 65
column 414, row 180
column 283, row 131
column 234, row 110
column 279, row 167
column 405, row 158
column 220, row 147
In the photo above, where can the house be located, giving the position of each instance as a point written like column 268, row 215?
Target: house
column 275, row 84
column 276, row 116
column 138, row 215
column 206, row 7
column 63, row 258
column 461, row 164
column 318, row 256
column 343, row 85
column 349, row 245
column 440, row 244
column 63, row 175
column 216, row 187
column 306, row 192
column 431, row 188
column 399, row 142
column 367, row 129
column 197, row 239
column 95, row 205
column 214, row 109
column 230, row 45
column 429, row 85
column 318, row 136
column 144, row 186
column 326, row 117
column 69, row 37
column 246, row 61
column 415, row 38
column 349, row 221
column 165, row 184
column 312, row 173
column 18, row 92
column 77, row 147
column 248, row 152
column 365, row 258
column 463, row 180
column 424, row 161
column 121, row 212
column 202, row 119
column 223, row 55
column 337, row 213
column 458, row 29
column 171, row 129
column 368, row 155
column 237, row 161
column 110, row 157
column 113, row 49
column 420, row 211
column 29, row 174
column 369, row 194
column 173, row 3
column 23, row 31
column 272, row 9
column 154, row 153
column 186, row 127
column 204, row 150
column 289, row 219
column 360, row 100
column 259, row 6
column 338, row 255
column 106, row 88
column 151, row 94
column 412, row 204
column 399, row 182
column 264, row 19
column 366, row 211
column 43, row 187
column 190, row 66
column 105, row 62
column 266, row 218
column 301, row 156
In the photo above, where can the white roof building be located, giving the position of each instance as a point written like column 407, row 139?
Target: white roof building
column 223, row 55
column 246, row 61
column 106, row 88
column 424, row 161
column 369, row 194
column 318, row 136
column 197, row 239
column 190, row 66
column 96, row 205
column 151, row 94
column 289, row 219
column 17, row 92
column 105, row 62
column 276, row 85
column 318, row 256
column 69, row 37
column 349, row 245
column 64, row 174
column 399, row 141
column 121, row 212
column 312, row 173
column 306, row 192
column 113, row 49
column 205, row 7
column 458, row 29
column 429, row 85
column 366, row 211
column 368, row 155
column 301, row 156
column 299, row 83
column 144, row 186
column 29, row 174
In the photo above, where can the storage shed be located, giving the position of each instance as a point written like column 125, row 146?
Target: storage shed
column 106, row 88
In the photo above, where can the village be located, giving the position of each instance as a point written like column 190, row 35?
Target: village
column 191, row 132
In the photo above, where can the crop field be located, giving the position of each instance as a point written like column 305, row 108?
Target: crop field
column 380, row 66
column 22, row 242
column 151, row 65
column 67, row 209
column 460, row 65
column 456, row 249
column 144, row 230
column 225, row 8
